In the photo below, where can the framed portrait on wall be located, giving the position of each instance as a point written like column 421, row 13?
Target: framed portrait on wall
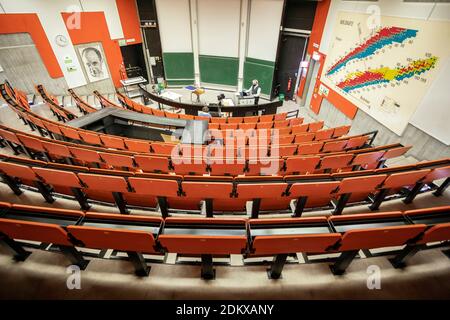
column 93, row 61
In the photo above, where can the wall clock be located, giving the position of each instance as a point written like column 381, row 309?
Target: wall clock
column 61, row 40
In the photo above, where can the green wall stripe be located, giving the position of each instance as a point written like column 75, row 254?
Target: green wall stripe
column 258, row 61
column 178, row 65
column 219, row 70
column 262, row 72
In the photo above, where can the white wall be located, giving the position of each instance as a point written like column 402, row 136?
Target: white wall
column 49, row 13
column 433, row 112
column 265, row 20
column 174, row 25
column 218, row 27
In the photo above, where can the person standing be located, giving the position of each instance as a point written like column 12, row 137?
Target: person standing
column 255, row 90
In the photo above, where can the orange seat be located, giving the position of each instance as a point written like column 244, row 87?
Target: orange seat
column 340, row 131
column 403, row 179
column 204, row 244
column 324, row 134
column 58, row 177
column 439, row 232
column 395, row 152
column 282, row 140
column 247, row 125
column 85, row 155
column 235, row 120
column 284, row 151
column 90, row 138
column 281, row 131
column 251, row 119
column 309, row 148
column 362, row 184
column 164, row 148
column 31, row 143
column 437, row 174
column 317, row 193
column 9, row 136
column 137, row 146
column 221, row 169
column 304, row 137
column 51, row 127
column 266, row 118
column 190, row 168
column 281, row 124
column 104, row 183
column 218, row 120
column 152, row 163
column 315, row 126
column 70, row 132
column 207, row 190
column 154, row 187
column 357, row 142
column 158, row 113
column 296, row 121
column 264, row 125
column 229, row 126
column 170, row 115
column 17, row 171
column 334, row 146
column 301, row 165
column 302, row 128
column 214, row 126
column 335, row 162
column 117, row 160
column 57, row 149
column 260, row 190
column 280, row 116
column 264, row 166
column 123, row 238
column 364, row 159
column 113, row 142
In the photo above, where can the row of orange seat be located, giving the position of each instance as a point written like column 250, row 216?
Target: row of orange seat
column 63, row 114
column 225, row 194
column 209, row 238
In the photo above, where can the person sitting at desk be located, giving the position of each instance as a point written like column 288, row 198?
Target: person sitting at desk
column 204, row 112
column 254, row 90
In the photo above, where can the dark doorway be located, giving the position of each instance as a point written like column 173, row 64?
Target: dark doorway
column 134, row 61
column 297, row 21
column 152, row 41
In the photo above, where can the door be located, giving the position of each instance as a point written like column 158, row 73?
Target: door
column 292, row 48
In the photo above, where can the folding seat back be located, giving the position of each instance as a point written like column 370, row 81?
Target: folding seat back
column 218, row 120
column 137, row 146
column 335, row 162
column 395, row 152
column 304, row 137
column 280, row 116
column 9, row 136
column 315, row 126
column 207, row 190
column 266, row 118
column 281, row 124
column 284, row 151
column 103, row 182
column 264, row 125
column 309, row 148
column 166, row 149
column 302, row 128
column 282, row 131
column 147, row 110
column 437, row 233
column 154, row 187
column 70, row 132
column 158, row 113
column 235, row 120
column 112, row 142
column 379, row 237
column 117, row 160
column 295, row 122
column 283, row 140
column 436, row 174
column 260, row 190
column 360, row 187
column 171, row 115
column 34, row 231
column 334, row 146
column 152, row 163
column 340, row 131
column 356, row 142
column 214, row 126
column 31, row 143
column 301, row 165
column 324, row 134
column 403, row 179
column 202, row 243
column 229, row 126
column 313, row 189
column 58, row 177
column 192, row 166
column 56, row 149
column 368, row 158
column 186, row 116
column 224, row 168
column 85, row 155
column 17, row 171
column 51, row 127
column 127, row 238
column 251, row 119
column 90, row 138
column 247, row 125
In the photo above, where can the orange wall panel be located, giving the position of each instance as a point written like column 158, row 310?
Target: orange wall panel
column 94, row 29
column 29, row 23
column 130, row 20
